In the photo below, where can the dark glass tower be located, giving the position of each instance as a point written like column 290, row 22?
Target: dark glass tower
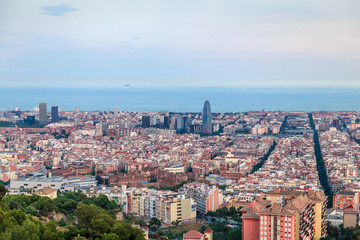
column 54, row 114
column 145, row 121
column 206, row 119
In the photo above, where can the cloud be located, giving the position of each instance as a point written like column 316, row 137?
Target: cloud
column 59, row 10
column 232, row 43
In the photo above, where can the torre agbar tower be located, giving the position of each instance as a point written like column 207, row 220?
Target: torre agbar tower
column 206, row 119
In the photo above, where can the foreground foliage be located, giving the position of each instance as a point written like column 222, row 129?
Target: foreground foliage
column 28, row 217
column 341, row 233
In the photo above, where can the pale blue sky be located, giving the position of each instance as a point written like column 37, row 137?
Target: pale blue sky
column 180, row 43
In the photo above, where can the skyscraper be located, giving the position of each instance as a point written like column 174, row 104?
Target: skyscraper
column 145, row 121
column 42, row 113
column 166, row 122
column 206, row 119
column 54, row 114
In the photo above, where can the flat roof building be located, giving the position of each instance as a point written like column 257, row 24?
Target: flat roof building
column 42, row 113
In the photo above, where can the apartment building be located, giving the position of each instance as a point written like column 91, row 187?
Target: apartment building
column 207, row 198
column 165, row 205
column 285, row 215
column 343, row 199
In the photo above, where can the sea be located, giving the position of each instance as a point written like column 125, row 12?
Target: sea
column 182, row 99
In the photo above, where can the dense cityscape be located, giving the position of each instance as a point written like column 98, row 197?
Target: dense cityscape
column 180, row 175
column 179, row 120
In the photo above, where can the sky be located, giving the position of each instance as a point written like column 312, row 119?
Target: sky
column 157, row 43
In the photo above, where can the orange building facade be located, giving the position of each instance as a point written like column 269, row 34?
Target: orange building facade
column 285, row 215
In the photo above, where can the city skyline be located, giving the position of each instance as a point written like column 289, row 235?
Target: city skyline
column 235, row 43
column 292, row 174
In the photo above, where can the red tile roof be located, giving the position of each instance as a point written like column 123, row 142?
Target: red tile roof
column 193, row 235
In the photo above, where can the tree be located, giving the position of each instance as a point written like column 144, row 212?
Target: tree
column 333, row 231
column 45, row 205
column 120, row 230
column 66, row 205
column 18, row 232
column 62, row 222
column 78, row 237
column 31, row 210
column 140, row 222
column 101, row 201
column 235, row 234
column 101, row 224
column 95, row 218
column 31, row 229
column 84, row 214
column 99, row 179
column 50, row 232
column 155, row 221
column 110, row 236
column 3, row 190
column 175, row 223
column 131, row 218
column 18, row 215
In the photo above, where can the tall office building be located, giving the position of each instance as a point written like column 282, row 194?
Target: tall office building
column 54, row 114
column 206, row 119
column 116, row 111
column 145, row 121
column 179, row 123
column 166, row 122
column 42, row 113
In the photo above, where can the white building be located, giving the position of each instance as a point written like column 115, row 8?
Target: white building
column 175, row 169
column 58, row 183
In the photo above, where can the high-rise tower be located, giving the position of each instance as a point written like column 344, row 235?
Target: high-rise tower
column 145, row 121
column 42, row 113
column 206, row 119
column 54, row 114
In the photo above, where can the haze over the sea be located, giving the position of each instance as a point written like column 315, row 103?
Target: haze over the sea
column 189, row 99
